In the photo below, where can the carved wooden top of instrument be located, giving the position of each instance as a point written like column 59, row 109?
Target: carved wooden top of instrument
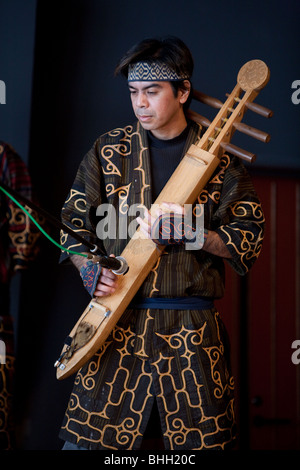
column 190, row 177
column 252, row 77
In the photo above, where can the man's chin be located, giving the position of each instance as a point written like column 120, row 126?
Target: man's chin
column 146, row 125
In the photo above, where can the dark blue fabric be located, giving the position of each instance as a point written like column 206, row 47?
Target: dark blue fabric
column 175, row 303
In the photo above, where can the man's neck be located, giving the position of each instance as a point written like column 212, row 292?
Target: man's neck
column 171, row 132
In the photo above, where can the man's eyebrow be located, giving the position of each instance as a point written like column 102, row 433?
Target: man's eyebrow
column 152, row 85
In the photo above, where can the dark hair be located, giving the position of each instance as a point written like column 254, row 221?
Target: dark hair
column 170, row 50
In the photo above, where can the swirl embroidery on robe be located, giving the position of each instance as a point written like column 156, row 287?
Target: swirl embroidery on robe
column 128, row 430
column 122, row 148
column 155, row 274
column 123, row 193
column 6, row 400
column 217, row 179
column 223, row 165
column 25, row 238
column 80, row 202
column 177, row 431
column 250, row 242
column 87, row 380
column 140, row 166
column 215, row 354
column 77, row 223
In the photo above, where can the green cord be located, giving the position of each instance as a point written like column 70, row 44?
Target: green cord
column 39, row 227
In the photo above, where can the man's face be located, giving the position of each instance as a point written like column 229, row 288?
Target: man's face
column 157, row 109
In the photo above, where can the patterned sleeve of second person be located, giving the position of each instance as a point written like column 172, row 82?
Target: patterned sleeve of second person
column 20, row 246
column 79, row 208
column 242, row 218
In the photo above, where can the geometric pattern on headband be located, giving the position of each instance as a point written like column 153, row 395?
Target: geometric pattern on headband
column 152, row 71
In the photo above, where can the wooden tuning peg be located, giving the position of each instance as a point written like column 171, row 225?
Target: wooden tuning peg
column 198, row 118
column 252, row 132
column 206, row 99
column 238, row 152
column 257, row 108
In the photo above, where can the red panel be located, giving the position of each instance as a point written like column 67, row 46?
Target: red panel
column 229, row 308
column 260, row 334
column 272, row 321
column 285, row 370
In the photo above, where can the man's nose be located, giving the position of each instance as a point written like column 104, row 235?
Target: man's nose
column 141, row 101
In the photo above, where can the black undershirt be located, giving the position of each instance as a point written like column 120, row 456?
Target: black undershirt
column 165, row 156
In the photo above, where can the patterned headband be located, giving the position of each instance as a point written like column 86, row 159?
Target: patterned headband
column 152, row 71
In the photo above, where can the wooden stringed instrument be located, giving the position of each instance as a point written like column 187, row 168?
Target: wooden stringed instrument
column 190, row 177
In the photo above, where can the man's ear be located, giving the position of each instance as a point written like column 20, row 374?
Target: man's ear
column 185, row 92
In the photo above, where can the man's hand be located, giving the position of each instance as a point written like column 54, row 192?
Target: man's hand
column 106, row 283
column 146, row 224
column 212, row 241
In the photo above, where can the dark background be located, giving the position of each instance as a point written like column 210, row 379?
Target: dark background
column 57, row 60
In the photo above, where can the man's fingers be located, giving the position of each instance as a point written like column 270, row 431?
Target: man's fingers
column 107, row 283
column 172, row 207
column 102, row 290
column 108, row 274
column 145, row 227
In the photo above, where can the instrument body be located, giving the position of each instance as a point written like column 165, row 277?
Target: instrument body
column 190, row 177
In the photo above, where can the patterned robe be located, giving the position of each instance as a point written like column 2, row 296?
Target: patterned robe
column 178, row 357
column 18, row 246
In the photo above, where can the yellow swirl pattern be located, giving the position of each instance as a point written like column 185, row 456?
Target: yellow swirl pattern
column 180, row 390
column 250, row 244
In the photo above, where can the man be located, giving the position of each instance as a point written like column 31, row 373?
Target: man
column 170, row 359
column 18, row 247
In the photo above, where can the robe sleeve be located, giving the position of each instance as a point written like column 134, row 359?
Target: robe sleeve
column 19, row 235
column 79, row 209
column 240, row 218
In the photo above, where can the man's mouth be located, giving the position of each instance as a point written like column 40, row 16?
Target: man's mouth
column 144, row 117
